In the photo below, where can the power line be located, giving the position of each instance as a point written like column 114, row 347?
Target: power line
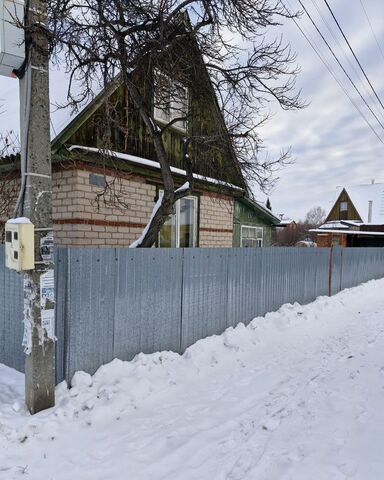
column 372, row 30
column 353, row 53
column 313, row 45
column 350, row 63
column 340, row 64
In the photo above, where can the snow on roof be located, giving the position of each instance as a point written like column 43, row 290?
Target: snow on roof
column 286, row 221
column 348, row 232
column 18, row 221
column 153, row 164
column 350, row 223
column 361, row 195
column 332, row 224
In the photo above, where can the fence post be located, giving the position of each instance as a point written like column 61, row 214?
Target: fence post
column 330, row 272
column 341, row 270
column 181, row 302
column 61, row 312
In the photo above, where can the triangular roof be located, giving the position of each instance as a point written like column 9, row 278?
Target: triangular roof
column 65, row 137
column 362, row 195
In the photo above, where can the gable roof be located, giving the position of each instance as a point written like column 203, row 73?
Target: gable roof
column 260, row 209
column 85, row 113
column 361, row 195
column 68, row 135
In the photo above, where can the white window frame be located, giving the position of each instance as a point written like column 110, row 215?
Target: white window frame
column 259, row 240
column 177, row 223
column 345, row 203
column 161, row 116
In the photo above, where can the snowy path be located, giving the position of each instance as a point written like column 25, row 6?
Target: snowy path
column 297, row 395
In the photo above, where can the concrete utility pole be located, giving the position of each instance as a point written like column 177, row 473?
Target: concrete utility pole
column 36, row 205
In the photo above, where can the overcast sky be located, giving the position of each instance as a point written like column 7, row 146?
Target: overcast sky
column 331, row 143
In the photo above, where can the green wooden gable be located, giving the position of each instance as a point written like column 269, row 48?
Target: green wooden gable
column 249, row 213
column 213, row 158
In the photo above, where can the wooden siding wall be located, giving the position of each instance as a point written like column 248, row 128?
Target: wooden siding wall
column 244, row 215
column 129, row 134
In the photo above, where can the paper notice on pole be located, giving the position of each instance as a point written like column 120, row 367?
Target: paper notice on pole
column 27, row 337
column 47, row 303
column 48, row 322
column 47, row 290
column 46, row 248
column 29, row 295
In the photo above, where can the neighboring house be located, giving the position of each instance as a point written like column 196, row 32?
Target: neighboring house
column 356, row 219
column 286, row 233
column 82, row 171
column 287, row 223
column 252, row 224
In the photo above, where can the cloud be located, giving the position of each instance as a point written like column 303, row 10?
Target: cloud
column 330, row 141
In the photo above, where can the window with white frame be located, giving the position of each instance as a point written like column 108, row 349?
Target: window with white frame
column 251, row 237
column 180, row 229
column 170, row 100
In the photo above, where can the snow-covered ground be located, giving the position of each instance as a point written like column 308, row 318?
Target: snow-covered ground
column 297, row 395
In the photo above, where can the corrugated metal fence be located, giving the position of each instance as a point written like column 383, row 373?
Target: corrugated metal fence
column 11, row 316
column 119, row 302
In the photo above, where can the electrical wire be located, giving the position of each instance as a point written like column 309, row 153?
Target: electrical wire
column 353, row 53
column 18, row 211
column 372, row 30
column 313, row 45
column 350, row 63
column 25, row 121
column 340, row 64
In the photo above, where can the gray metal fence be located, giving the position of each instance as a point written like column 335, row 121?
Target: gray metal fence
column 11, row 316
column 119, row 302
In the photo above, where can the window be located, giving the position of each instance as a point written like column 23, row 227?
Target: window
column 180, row 229
column 170, row 100
column 251, row 237
column 343, row 210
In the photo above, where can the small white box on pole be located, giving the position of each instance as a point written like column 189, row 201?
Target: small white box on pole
column 12, row 49
column 19, row 245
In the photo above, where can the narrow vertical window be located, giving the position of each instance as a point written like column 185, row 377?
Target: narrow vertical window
column 170, row 100
column 343, row 210
column 180, row 229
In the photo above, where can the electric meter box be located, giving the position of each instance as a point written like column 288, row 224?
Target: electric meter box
column 12, row 49
column 19, row 246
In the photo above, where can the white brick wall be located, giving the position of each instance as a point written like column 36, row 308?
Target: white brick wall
column 79, row 222
column 216, row 220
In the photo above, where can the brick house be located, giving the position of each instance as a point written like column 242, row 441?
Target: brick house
column 81, row 171
column 356, row 218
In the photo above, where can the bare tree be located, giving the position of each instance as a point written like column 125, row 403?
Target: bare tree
column 9, row 185
column 9, row 143
column 315, row 217
column 296, row 232
column 157, row 46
